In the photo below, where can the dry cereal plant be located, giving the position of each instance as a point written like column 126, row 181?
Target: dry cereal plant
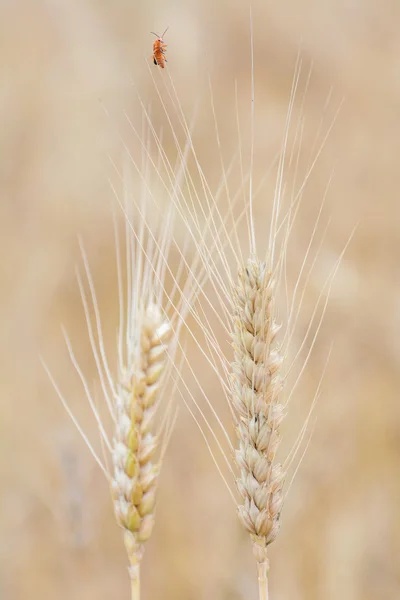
column 254, row 369
column 235, row 303
column 235, row 379
column 139, row 390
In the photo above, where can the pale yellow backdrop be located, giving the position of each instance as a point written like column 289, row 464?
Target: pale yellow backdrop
column 61, row 64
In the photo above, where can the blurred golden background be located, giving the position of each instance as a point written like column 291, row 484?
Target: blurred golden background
column 61, row 63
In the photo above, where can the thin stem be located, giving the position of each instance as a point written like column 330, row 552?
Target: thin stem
column 263, row 579
column 135, row 583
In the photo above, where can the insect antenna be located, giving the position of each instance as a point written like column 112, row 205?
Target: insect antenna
column 160, row 37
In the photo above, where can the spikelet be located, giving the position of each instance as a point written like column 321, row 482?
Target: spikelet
column 256, row 385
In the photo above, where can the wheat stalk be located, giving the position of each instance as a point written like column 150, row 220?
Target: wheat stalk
column 150, row 323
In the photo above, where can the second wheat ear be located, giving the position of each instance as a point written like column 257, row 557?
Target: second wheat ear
column 256, row 385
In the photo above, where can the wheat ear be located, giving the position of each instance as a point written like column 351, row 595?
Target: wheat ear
column 256, row 385
column 134, row 477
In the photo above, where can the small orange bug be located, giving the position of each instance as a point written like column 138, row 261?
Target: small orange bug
column 159, row 49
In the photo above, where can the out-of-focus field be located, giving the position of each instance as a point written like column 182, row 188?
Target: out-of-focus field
column 61, row 63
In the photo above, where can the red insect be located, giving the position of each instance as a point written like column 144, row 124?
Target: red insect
column 159, row 49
